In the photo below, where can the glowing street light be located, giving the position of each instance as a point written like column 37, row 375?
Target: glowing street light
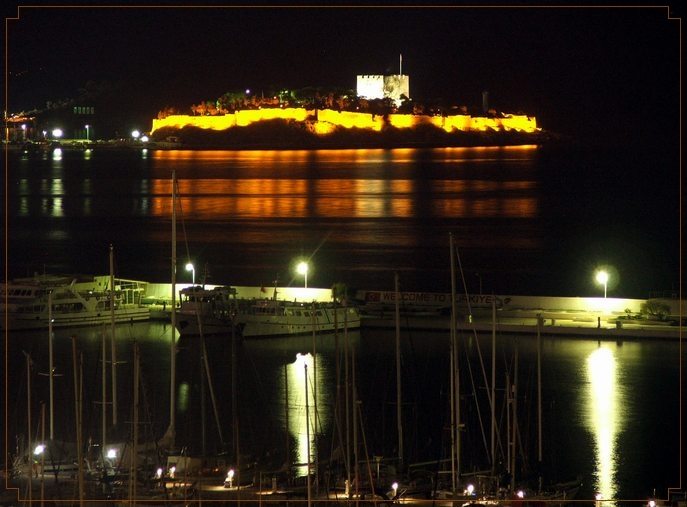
column 302, row 269
column 192, row 269
column 394, row 486
column 57, row 133
column 230, row 477
column 135, row 134
column 88, row 136
column 39, row 449
column 602, row 278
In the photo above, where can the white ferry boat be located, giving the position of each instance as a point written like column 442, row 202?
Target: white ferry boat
column 78, row 301
column 211, row 311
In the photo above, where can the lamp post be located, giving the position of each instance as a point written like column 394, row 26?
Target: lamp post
column 88, row 136
column 302, row 269
column 192, row 269
column 602, row 278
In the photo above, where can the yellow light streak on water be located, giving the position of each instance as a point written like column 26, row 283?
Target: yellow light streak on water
column 298, row 421
column 604, row 420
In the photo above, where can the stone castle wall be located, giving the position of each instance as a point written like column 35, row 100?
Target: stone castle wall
column 348, row 119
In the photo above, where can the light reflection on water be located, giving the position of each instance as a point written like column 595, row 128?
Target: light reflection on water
column 604, row 419
column 591, row 392
column 307, row 416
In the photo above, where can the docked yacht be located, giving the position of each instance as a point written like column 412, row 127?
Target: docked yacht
column 212, row 310
column 30, row 303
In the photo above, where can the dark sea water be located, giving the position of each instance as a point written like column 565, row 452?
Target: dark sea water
column 527, row 220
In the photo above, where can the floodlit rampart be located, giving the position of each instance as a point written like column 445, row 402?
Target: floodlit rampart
column 326, row 120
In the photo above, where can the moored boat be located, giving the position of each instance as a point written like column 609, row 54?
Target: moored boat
column 273, row 317
column 210, row 310
column 80, row 301
column 205, row 310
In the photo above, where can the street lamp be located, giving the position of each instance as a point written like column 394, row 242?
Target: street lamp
column 602, row 278
column 192, row 269
column 88, row 137
column 57, row 133
column 302, row 269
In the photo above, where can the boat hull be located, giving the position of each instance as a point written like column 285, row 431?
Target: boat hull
column 288, row 324
column 17, row 322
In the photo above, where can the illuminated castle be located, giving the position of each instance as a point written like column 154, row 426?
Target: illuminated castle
column 381, row 87
column 323, row 121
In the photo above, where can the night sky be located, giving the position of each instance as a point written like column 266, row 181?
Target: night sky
column 601, row 73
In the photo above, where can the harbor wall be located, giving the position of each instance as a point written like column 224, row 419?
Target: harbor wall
column 163, row 291
column 437, row 300
column 328, row 119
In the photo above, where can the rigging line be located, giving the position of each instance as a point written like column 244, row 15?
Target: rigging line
column 479, row 411
column 175, row 191
column 474, row 331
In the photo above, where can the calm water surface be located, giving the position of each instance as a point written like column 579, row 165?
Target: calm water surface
column 527, row 221
column 610, row 410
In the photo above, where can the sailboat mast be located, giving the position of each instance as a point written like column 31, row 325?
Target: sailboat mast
column 347, row 406
column 493, row 384
column 50, row 365
column 172, row 352
column 307, row 435
column 399, row 422
column 29, row 450
column 455, row 382
column 78, row 413
column 134, row 447
column 314, row 393
column 104, row 398
column 539, row 415
column 514, row 427
column 113, row 344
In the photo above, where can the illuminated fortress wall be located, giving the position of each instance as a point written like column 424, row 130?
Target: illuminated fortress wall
column 240, row 118
column 327, row 120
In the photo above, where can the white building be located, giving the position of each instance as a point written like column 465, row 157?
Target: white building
column 379, row 87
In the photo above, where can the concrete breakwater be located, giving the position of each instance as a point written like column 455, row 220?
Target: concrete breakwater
column 571, row 316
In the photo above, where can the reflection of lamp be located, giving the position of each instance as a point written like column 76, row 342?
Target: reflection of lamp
column 302, row 269
column 602, row 278
column 192, row 269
